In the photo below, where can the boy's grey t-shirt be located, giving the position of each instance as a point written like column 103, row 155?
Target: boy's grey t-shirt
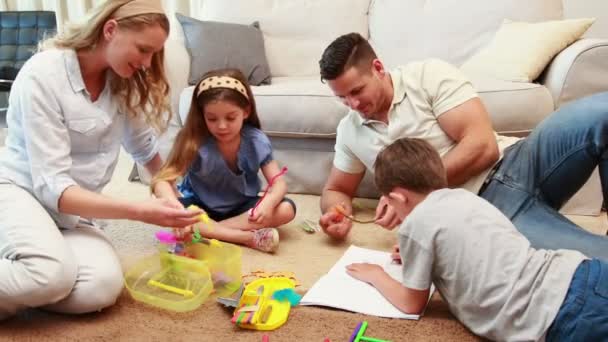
column 493, row 281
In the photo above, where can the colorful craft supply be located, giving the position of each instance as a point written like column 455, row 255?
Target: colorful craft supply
column 270, row 183
column 342, row 211
column 271, row 313
column 287, row 295
column 309, row 226
column 165, row 237
column 358, row 334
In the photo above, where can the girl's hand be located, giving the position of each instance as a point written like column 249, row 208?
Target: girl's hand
column 386, row 216
column 163, row 212
column 364, row 271
column 184, row 234
column 260, row 215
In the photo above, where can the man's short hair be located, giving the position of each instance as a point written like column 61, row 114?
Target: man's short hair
column 344, row 52
column 409, row 163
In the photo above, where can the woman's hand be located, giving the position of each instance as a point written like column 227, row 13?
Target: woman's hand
column 165, row 213
column 386, row 216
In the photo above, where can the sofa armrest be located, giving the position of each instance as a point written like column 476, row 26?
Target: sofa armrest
column 579, row 70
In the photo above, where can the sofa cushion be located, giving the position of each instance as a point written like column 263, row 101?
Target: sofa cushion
column 453, row 30
column 305, row 107
column 514, row 107
column 291, row 107
column 206, row 44
column 520, row 51
column 295, row 32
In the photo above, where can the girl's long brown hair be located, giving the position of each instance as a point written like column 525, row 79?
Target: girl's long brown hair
column 195, row 131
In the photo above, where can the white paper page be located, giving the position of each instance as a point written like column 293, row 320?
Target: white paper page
column 339, row 290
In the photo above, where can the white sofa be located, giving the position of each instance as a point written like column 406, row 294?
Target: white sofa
column 300, row 114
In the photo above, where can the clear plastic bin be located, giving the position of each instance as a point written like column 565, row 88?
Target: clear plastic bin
column 170, row 282
column 224, row 263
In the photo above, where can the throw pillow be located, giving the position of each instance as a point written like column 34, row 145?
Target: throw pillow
column 520, row 51
column 217, row 45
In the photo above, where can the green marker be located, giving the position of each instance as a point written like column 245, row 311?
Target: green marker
column 360, row 336
column 361, row 331
column 371, row 339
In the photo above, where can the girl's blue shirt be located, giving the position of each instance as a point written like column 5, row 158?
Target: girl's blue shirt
column 212, row 182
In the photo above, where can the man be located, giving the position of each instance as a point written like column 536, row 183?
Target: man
column 527, row 179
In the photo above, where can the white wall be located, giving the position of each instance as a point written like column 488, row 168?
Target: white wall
column 75, row 9
column 589, row 8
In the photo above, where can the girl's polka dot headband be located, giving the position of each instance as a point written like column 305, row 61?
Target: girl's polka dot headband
column 222, row 82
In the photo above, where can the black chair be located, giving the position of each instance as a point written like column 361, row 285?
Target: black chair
column 20, row 32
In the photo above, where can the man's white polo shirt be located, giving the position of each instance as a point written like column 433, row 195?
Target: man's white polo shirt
column 422, row 92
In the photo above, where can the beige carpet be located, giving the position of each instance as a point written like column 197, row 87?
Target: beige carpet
column 308, row 255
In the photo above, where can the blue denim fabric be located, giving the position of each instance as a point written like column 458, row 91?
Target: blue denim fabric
column 540, row 173
column 583, row 315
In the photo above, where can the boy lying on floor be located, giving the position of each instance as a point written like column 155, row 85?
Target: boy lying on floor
column 494, row 282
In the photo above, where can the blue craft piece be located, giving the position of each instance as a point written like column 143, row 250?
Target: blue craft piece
column 287, row 295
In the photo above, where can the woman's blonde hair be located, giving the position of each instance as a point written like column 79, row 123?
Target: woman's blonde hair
column 147, row 92
column 195, row 131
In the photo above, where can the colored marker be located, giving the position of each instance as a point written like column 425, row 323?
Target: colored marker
column 361, row 331
column 355, row 332
column 371, row 339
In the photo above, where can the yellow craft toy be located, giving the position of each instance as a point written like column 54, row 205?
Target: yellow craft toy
column 258, row 309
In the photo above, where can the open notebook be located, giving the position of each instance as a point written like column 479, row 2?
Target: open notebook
column 339, row 290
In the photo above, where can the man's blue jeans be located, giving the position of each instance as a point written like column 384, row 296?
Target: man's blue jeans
column 541, row 172
column 583, row 316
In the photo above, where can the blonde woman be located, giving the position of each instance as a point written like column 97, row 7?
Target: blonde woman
column 97, row 86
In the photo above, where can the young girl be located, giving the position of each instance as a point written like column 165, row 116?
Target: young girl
column 219, row 152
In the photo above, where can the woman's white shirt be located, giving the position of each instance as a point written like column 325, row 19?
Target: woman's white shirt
column 59, row 137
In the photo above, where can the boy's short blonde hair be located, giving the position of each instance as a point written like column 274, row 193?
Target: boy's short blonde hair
column 409, row 163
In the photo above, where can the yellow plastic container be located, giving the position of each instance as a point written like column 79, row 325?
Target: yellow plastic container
column 224, row 263
column 170, row 282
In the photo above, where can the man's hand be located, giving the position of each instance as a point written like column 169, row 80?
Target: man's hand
column 395, row 256
column 335, row 225
column 364, row 271
column 386, row 215
column 163, row 212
